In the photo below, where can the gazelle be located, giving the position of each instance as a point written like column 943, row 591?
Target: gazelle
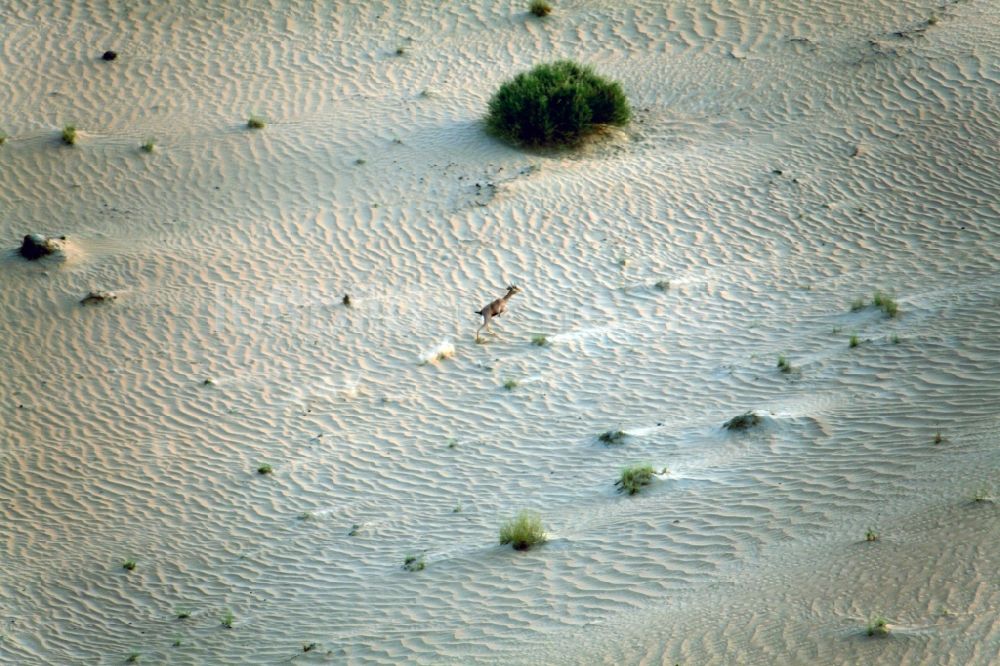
column 495, row 309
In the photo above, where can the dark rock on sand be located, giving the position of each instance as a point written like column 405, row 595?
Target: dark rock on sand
column 109, row 55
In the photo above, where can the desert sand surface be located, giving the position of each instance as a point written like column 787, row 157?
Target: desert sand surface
column 785, row 159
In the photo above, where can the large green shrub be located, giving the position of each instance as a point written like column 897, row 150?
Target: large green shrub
column 555, row 104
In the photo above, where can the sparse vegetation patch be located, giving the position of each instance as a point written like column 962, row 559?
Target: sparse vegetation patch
column 878, row 627
column 523, row 531
column 742, row 422
column 634, row 477
column 540, row 8
column 414, row 563
column 612, row 437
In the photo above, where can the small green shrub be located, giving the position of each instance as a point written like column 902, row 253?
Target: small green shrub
column 133, row 658
column 523, row 531
column 256, row 122
column 857, row 304
column 885, row 303
column 612, row 436
column 510, row 384
column 783, row 364
column 555, row 104
column 227, row 619
column 183, row 613
column 3, row 137
column 309, row 647
column 265, row 468
column 938, row 438
column 742, row 422
column 895, row 338
column 129, row 565
column 854, row 342
column 871, row 535
column 69, row 135
column 663, row 285
column 878, row 626
column 634, row 477
column 414, row 563
column 539, row 340
column 149, row 146
column 540, row 8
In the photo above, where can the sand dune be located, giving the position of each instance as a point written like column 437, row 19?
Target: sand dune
column 785, row 159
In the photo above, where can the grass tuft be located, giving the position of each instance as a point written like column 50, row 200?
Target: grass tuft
column 540, row 8
column 854, row 342
column 612, row 437
column 871, row 535
column 938, row 438
column 539, row 340
column 309, row 647
column 69, row 135
column 783, row 364
column 3, row 137
column 256, row 122
column 414, row 563
column 510, row 384
column 634, row 477
column 149, row 146
column 183, row 613
column 555, row 104
column 878, row 626
column 857, row 304
column 523, row 531
column 129, row 565
column 227, row 619
column 663, row 285
column 133, row 658
column 885, row 303
column 982, row 495
column 265, row 468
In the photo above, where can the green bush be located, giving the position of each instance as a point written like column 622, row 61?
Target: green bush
column 523, row 531
column 555, row 104
column 540, row 8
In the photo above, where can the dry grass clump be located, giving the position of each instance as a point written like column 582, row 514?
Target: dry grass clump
column 523, row 531
column 256, row 122
column 634, row 477
column 69, row 135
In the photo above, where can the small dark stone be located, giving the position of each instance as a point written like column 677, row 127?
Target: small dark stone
column 347, row 300
column 109, row 56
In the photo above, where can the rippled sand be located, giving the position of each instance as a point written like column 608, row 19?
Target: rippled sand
column 785, row 159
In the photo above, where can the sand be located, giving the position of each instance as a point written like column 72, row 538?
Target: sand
column 785, row 159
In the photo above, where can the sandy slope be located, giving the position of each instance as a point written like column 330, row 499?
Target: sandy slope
column 786, row 158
